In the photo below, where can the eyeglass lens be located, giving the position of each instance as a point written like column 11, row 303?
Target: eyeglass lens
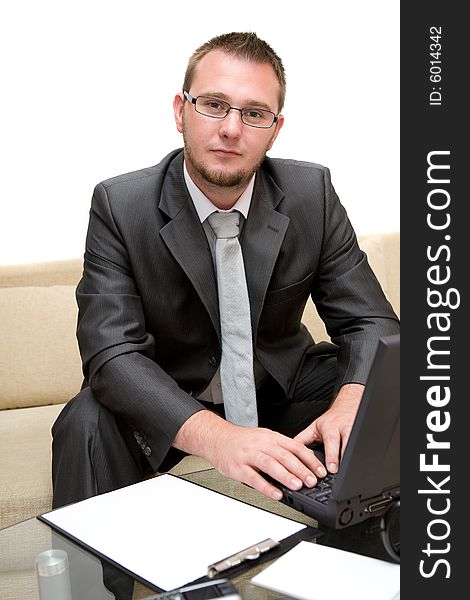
column 212, row 107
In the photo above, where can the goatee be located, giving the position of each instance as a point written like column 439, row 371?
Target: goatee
column 219, row 177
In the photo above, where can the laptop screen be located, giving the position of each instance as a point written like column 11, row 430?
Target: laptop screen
column 371, row 461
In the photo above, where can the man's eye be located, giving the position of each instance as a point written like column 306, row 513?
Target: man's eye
column 212, row 104
column 254, row 114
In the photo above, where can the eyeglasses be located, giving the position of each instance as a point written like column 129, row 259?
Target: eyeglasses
column 218, row 109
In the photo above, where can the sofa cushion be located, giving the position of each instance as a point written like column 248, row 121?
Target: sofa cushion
column 25, row 462
column 39, row 358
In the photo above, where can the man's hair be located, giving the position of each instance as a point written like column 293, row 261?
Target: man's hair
column 246, row 45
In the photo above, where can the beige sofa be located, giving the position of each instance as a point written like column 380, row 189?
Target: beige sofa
column 40, row 367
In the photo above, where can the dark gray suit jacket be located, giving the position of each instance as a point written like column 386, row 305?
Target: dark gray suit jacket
column 148, row 326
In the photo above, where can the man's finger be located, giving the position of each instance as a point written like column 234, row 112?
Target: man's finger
column 332, row 444
column 308, row 435
column 280, row 468
column 259, row 483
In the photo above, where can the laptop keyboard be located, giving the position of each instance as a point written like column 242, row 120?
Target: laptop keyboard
column 322, row 491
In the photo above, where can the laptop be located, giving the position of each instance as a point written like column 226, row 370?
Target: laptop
column 368, row 480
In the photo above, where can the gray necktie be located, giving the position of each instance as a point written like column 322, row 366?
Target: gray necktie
column 236, row 366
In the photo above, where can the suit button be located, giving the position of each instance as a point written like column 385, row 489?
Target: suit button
column 147, row 451
column 213, row 361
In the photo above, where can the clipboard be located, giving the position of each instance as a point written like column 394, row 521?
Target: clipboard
column 168, row 532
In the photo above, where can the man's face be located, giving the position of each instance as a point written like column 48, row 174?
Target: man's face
column 224, row 153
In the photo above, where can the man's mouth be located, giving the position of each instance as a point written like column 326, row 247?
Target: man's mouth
column 225, row 152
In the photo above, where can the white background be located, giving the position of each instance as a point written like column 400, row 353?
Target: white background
column 87, row 91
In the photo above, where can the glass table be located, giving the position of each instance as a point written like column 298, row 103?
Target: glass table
column 20, row 543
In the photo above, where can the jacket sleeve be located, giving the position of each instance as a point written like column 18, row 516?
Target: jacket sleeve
column 348, row 296
column 117, row 352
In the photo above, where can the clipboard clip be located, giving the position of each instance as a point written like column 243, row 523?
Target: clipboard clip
column 251, row 553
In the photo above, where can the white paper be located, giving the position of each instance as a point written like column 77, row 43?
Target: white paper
column 315, row 572
column 168, row 530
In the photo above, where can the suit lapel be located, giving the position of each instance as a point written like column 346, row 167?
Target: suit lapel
column 261, row 240
column 186, row 240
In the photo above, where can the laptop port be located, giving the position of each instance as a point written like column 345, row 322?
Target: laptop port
column 375, row 506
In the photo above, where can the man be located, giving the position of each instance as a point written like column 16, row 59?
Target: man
column 150, row 330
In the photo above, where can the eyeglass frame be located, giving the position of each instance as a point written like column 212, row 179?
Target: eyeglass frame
column 193, row 101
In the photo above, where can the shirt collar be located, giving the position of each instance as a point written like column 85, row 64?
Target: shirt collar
column 204, row 206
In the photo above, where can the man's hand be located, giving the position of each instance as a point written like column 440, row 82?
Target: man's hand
column 334, row 426
column 244, row 454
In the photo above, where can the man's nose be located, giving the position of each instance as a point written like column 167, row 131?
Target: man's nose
column 232, row 125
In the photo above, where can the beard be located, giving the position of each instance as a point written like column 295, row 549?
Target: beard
column 220, row 177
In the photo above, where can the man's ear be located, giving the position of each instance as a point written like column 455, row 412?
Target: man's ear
column 279, row 124
column 178, row 103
